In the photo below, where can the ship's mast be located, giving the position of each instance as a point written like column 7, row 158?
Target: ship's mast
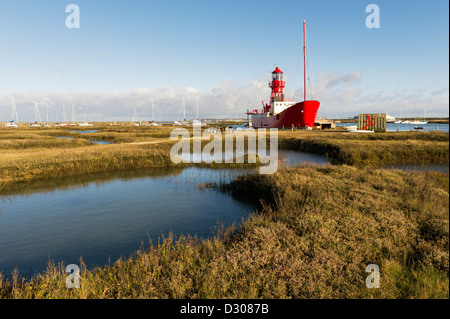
column 304, row 60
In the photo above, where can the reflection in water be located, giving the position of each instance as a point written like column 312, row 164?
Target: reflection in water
column 84, row 132
column 100, row 142
column 286, row 158
column 105, row 218
column 105, row 215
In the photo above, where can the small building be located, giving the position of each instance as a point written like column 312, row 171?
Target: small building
column 322, row 123
column 372, row 122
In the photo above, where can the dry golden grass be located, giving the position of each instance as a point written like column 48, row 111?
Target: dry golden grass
column 34, row 153
column 317, row 230
column 27, row 154
column 373, row 150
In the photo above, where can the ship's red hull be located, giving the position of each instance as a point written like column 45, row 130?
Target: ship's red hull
column 302, row 114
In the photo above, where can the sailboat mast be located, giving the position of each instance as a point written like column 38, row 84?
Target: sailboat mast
column 14, row 111
column 304, row 60
column 153, row 113
column 35, row 111
column 184, row 108
column 197, row 108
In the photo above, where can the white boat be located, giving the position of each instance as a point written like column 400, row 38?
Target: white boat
column 15, row 119
column 389, row 118
column 184, row 122
column 85, row 124
column 418, row 122
column 37, row 116
column 134, row 119
column 198, row 123
column 11, row 124
column 153, row 123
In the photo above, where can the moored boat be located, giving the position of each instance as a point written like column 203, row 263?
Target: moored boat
column 282, row 112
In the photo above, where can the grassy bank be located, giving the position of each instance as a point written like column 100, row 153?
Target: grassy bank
column 315, row 233
column 374, row 150
column 317, row 230
column 30, row 153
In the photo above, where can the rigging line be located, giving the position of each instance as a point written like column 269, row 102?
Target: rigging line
column 310, row 66
column 294, row 80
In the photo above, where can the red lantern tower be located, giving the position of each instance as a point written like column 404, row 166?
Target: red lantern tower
column 277, row 85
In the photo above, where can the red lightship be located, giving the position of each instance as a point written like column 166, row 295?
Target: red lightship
column 282, row 113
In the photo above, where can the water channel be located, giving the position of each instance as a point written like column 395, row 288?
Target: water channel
column 107, row 215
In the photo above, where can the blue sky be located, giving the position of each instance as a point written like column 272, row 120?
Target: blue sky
column 127, row 53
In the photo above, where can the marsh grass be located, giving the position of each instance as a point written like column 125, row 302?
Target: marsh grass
column 30, row 153
column 27, row 155
column 374, row 150
column 315, row 232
